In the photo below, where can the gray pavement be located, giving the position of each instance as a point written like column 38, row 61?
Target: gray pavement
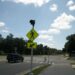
column 58, row 70
column 18, row 68
column 14, row 68
column 60, row 66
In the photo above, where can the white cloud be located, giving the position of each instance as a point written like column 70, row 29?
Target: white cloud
column 5, row 31
column 3, row 28
column 53, row 31
column 51, row 38
column 50, row 31
column 70, row 2
column 71, row 5
column 43, row 31
column 53, row 7
column 46, row 39
column 2, row 24
column 35, row 2
column 43, row 36
column 49, row 44
column 63, row 21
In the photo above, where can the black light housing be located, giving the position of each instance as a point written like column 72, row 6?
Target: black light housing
column 32, row 22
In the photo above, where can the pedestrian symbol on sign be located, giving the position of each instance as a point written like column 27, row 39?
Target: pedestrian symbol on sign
column 32, row 34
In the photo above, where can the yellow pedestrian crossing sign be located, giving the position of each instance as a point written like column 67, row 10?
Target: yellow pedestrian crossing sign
column 32, row 34
column 31, row 45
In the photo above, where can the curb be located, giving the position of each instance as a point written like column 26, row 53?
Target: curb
column 25, row 72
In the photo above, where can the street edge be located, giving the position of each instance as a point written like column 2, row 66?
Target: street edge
column 25, row 72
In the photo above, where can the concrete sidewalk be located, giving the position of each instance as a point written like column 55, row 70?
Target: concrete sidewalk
column 59, row 69
column 2, row 58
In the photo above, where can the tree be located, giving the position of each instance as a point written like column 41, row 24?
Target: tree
column 70, row 45
column 46, row 50
column 39, row 49
column 1, row 44
column 9, row 44
column 1, row 39
column 19, row 45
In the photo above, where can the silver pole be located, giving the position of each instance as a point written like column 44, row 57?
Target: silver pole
column 48, row 58
column 32, row 23
column 31, row 73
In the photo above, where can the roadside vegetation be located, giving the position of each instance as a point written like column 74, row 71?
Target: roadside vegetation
column 69, row 47
column 11, row 44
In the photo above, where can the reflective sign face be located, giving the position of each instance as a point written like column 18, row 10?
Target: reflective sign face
column 31, row 45
column 32, row 34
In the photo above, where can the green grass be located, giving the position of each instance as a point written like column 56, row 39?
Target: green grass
column 38, row 70
column 72, row 63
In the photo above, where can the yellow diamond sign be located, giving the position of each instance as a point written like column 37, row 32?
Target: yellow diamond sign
column 32, row 34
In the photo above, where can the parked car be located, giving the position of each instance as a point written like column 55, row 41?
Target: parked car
column 14, row 57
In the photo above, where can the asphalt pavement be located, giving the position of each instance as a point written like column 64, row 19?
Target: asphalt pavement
column 58, row 70
column 14, row 68
column 17, row 68
column 60, row 66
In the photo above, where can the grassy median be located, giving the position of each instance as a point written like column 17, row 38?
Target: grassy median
column 39, row 69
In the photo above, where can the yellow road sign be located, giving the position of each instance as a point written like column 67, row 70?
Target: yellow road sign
column 31, row 45
column 32, row 34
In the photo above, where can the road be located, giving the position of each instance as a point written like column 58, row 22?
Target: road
column 60, row 66
column 14, row 68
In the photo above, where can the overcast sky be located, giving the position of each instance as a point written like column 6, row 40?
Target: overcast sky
column 55, row 19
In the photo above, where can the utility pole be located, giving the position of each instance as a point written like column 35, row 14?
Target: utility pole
column 32, row 35
column 32, row 22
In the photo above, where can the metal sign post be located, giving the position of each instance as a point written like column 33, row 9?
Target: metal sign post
column 31, row 73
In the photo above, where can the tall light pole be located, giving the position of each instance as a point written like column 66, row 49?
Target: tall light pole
column 32, row 35
column 32, row 22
